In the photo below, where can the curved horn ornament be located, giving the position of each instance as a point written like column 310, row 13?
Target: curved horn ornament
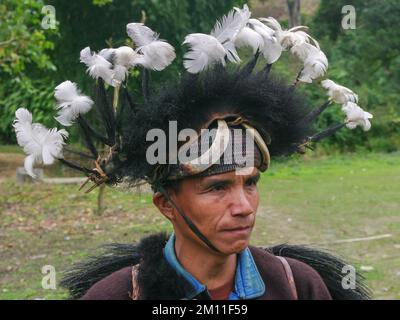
column 261, row 144
column 213, row 154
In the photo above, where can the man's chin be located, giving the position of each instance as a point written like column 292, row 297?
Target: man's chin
column 236, row 243
column 235, row 247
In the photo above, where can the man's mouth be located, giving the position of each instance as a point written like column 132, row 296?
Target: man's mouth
column 241, row 230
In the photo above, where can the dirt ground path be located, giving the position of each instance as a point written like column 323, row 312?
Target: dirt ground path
column 9, row 162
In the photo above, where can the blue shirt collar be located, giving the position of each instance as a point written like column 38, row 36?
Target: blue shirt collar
column 248, row 282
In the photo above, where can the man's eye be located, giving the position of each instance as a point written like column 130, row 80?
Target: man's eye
column 217, row 187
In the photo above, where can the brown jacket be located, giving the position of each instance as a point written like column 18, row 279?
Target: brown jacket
column 308, row 283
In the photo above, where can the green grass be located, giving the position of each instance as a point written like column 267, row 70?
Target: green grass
column 341, row 197
column 11, row 149
column 303, row 200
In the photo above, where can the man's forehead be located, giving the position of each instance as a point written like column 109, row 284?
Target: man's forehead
column 231, row 175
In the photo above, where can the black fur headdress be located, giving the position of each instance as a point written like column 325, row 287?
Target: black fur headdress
column 273, row 108
column 209, row 93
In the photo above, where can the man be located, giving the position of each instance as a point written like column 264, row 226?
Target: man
column 223, row 207
column 212, row 206
column 229, row 125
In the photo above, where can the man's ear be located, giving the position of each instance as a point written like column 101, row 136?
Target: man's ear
column 164, row 206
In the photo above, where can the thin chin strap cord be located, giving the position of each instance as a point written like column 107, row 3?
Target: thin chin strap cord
column 190, row 224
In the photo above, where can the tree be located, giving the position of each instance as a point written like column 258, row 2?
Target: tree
column 34, row 60
column 25, row 62
column 367, row 60
column 294, row 13
column 83, row 23
column 23, row 41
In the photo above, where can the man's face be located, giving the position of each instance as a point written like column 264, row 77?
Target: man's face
column 223, row 207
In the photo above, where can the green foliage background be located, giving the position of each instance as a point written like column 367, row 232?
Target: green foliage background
column 25, row 63
column 366, row 59
column 33, row 60
column 37, row 59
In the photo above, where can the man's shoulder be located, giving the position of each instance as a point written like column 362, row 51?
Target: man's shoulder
column 299, row 268
column 309, row 283
column 116, row 286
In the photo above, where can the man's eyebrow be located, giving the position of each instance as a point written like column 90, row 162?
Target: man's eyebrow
column 213, row 181
column 226, row 181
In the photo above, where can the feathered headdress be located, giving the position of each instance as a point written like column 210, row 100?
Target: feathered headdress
column 209, row 95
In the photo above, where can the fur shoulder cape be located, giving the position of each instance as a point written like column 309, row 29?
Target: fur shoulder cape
column 81, row 276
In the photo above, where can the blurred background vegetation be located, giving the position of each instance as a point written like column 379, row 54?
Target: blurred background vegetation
column 314, row 198
column 34, row 60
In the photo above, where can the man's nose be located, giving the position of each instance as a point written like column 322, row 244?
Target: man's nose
column 241, row 204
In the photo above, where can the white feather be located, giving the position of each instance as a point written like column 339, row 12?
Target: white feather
column 247, row 37
column 108, row 54
column 156, row 56
column 98, row 66
column 272, row 23
column 301, row 51
column 29, row 162
column 338, row 93
column 271, row 48
column 228, row 27
column 205, row 50
column 123, row 58
column 23, row 126
column 356, row 116
column 40, row 144
column 314, row 67
column 272, row 51
column 120, row 73
column 265, row 31
column 53, row 143
column 305, row 38
column 231, row 53
column 154, row 53
column 289, row 38
column 315, row 61
column 140, row 34
column 70, row 103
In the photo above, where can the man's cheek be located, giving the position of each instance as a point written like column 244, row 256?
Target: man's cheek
column 256, row 202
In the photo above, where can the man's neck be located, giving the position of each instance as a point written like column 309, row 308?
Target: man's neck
column 211, row 269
